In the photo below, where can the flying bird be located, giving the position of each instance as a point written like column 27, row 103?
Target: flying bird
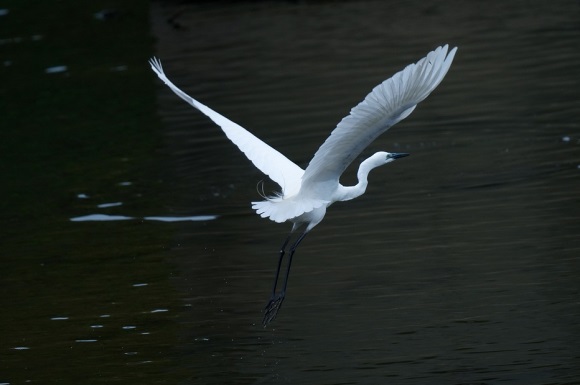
column 306, row 194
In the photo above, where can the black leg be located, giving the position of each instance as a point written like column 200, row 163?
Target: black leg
column 292, row 250
column 282, row 252
column 275, row 303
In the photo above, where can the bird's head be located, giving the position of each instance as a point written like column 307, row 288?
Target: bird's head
column 378, row 159
column 383, row 157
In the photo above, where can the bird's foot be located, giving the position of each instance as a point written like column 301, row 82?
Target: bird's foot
column 272, row 308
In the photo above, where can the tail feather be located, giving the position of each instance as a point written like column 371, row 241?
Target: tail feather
column 281, row 210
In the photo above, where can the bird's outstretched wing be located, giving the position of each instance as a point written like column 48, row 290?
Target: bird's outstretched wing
column 388, row 103
column 271, row 162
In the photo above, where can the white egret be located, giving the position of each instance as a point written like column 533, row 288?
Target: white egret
column 305, row 194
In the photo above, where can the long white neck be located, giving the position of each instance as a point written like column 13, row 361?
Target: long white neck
column 351, row 192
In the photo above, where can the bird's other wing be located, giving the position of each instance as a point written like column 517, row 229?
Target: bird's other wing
column 388, row 103
column 271, row 162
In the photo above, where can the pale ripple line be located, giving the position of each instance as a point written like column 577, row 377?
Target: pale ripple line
column 107, row 218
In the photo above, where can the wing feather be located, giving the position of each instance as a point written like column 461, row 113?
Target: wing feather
column 268, row 160
column 387, row 104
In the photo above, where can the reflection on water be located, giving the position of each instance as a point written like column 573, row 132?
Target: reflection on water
column 195, row 218
column 106, row 217
column 459, row 265
column 100, row 217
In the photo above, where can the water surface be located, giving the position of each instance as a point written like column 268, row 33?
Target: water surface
column 458, row 266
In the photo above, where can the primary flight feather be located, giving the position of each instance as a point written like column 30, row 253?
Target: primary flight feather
column 307, row 193
column 388, row 103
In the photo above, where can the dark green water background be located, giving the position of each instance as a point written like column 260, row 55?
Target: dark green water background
column 459, row 265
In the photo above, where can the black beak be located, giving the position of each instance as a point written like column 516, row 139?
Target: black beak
column 397, row 155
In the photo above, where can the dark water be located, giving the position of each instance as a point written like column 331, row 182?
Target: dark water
column 459, row 265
